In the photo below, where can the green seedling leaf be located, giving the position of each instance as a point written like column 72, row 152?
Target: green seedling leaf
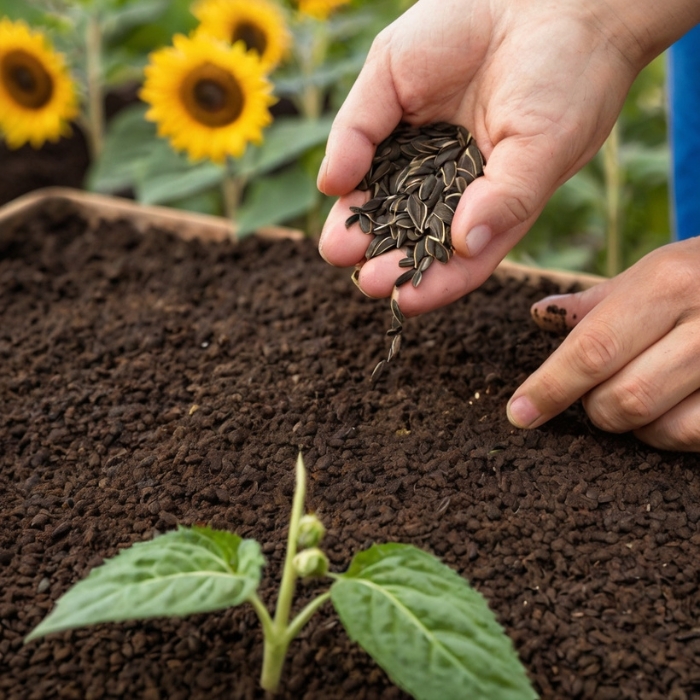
column 427, row 627
column 189, row 570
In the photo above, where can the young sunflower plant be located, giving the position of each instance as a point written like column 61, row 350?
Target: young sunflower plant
column 38, row 98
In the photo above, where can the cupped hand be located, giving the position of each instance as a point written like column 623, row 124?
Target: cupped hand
column 633, row 354
column 539, row 84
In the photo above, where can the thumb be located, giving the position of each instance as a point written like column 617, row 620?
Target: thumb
column 369, row 114
column 496, row 210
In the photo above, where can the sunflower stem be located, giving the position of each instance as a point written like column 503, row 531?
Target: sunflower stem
column 95, row 103
column 232, row 188
column 613, row 186
column 312, row 55
column 277, row 637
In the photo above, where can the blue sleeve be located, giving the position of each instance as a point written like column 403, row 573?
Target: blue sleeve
column 684, row 133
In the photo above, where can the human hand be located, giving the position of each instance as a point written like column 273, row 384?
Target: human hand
column 538, row 84
column 632, row 354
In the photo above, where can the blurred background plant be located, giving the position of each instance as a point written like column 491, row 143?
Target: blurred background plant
column 309, row 53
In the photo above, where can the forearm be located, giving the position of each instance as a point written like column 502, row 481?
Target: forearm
column 642, row 29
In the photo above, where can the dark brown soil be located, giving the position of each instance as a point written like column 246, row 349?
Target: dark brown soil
column 147, row 381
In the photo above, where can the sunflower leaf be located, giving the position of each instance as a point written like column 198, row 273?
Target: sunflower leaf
column 285, row 140
column 127, row 147
column 426, row 627
column 189, row 570
column 168, row 176
column 276, row 198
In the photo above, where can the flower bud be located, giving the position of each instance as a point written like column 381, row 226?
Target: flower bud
column 311, row 562
column 310, row 532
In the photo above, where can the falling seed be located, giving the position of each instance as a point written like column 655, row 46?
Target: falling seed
column 415, row 182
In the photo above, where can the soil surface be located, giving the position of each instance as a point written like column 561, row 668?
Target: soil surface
column 148, row 381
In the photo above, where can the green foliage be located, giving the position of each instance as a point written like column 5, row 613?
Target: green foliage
column 190, row 570
column 276, row 198
column 426, row 627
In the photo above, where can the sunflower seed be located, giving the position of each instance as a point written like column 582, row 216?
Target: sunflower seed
column 415, row 182
column 402, row 279
column 418, row 211
column 378, row 370
column 380, row 244
column 419, row 252
column 365, row 223
column 396, row 311
column 425, row 263
column 395, row 347
column 444, row 213
column 426, row 188
column 447, row 154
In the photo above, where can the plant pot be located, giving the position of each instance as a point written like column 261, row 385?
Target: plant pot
column 156, row 372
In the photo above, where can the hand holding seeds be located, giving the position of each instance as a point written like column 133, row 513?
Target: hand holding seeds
column 538, row 86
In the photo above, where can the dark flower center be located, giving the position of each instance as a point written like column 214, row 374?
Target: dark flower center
column 251, row 35
column 26, row 79
column 212, row 96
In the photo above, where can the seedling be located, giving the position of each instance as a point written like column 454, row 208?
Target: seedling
column 432, row 633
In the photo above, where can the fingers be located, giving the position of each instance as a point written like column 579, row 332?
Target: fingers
column 594, row 351
column 678, row 429
column 368, row 115
column 561, row 312
column 520, row 175
column 650, row 385
column 340, row 245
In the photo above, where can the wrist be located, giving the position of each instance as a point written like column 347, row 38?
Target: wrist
column 640, row 30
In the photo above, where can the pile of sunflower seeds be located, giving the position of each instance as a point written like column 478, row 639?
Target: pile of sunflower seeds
column 415, row 183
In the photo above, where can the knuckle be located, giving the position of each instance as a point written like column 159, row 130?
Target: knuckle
column 671, row 274
column 553, row 395
column 681, row 433
column 623, row 406
column 380, row 44
column 596, row 350
column 685, row 436
column 520, row 203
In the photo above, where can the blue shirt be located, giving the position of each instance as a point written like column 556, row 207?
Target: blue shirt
column 684, row 133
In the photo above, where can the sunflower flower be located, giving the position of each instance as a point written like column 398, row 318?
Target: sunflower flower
column 37, row 96
column 209, row 98
column 260, row 25
column 320, row 9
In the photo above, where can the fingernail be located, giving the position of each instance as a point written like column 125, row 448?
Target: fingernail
column 522, row 413
column 477, row 239
column 322, row 172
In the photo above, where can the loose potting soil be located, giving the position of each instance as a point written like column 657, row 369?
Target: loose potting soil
column 148, row 381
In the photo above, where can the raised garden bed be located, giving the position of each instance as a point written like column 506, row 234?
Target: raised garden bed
column 149, row 380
